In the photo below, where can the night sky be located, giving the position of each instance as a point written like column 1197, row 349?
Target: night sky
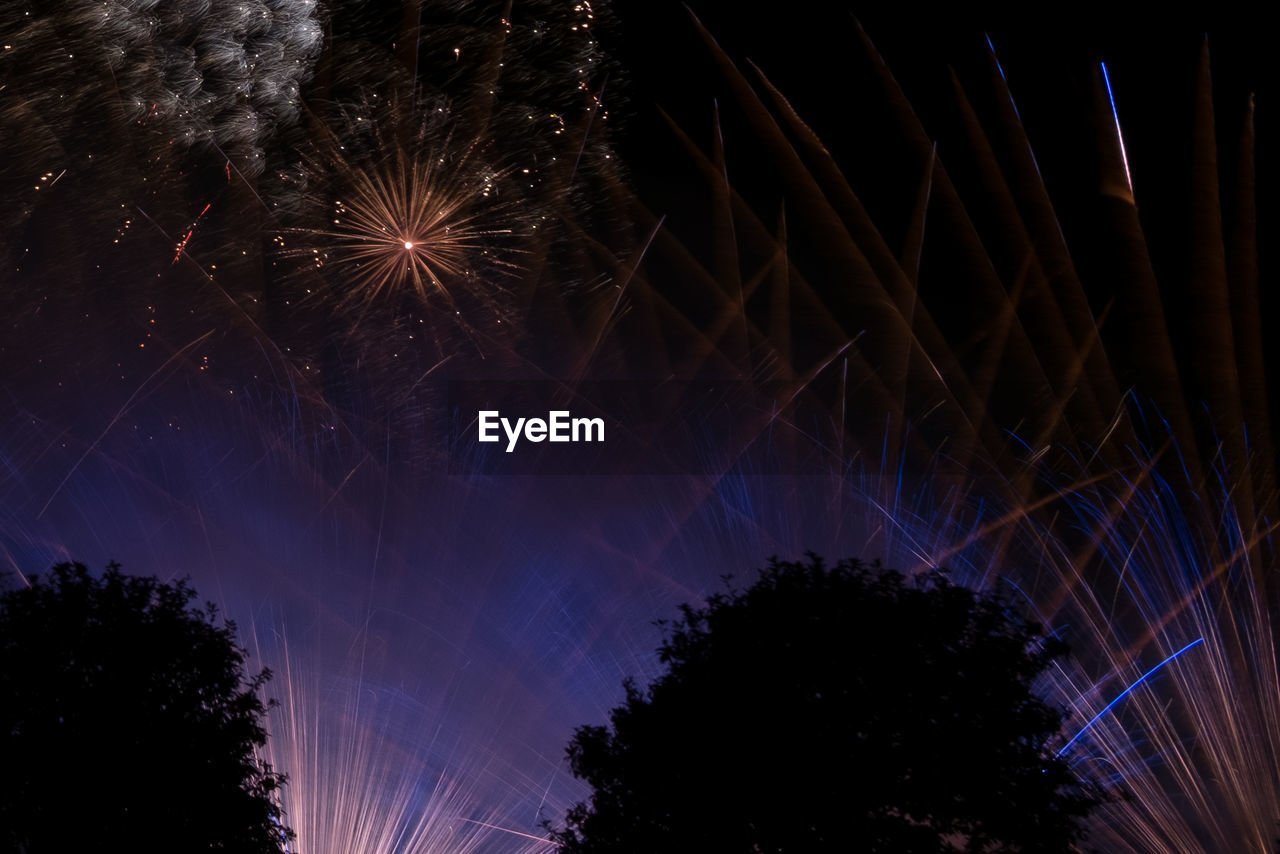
column 237, row 348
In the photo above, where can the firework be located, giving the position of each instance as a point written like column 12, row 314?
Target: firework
column 408, row 218
column 933, row 396
column 1133, row 521
column 355, row 784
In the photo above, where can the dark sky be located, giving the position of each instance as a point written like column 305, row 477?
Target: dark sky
column 806, row 50
column 1048, row 51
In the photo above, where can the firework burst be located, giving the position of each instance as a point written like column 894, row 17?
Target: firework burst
column 415, row 222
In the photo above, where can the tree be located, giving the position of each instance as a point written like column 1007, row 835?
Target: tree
column 127, row 722
column 834, row 709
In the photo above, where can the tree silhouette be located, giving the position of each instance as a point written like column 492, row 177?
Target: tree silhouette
column 834, row 709
column 127, row 722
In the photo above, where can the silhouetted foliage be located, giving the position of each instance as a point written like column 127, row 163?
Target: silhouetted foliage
column 127, row 722
column 834, row 709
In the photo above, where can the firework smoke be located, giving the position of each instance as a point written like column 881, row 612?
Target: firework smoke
column 219, row 74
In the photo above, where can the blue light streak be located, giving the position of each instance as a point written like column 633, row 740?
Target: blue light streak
column 1126, row 692
column 1115, row 114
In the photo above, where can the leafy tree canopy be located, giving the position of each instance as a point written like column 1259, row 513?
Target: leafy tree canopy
column 834, row 709
column 127, row 722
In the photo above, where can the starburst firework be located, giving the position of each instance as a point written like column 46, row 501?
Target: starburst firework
column 409, row 210
column 415, row 223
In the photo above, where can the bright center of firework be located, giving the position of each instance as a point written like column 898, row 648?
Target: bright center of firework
column 408, row 244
